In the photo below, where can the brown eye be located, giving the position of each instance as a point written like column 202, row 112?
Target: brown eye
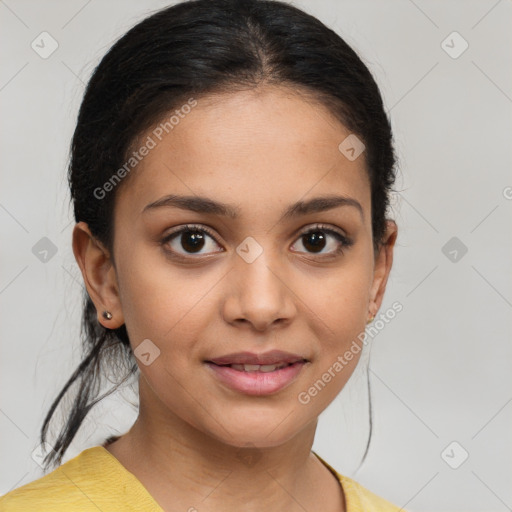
column 314, row 241
column 318, row 238
column 190, row 240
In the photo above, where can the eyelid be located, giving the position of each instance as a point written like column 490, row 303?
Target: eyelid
column 323, row 227
column 191, row 227
column 302, row 231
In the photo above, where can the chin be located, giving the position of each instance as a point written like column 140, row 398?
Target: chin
column 266, row 431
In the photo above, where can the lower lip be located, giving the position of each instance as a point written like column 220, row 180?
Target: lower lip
column 257, row 383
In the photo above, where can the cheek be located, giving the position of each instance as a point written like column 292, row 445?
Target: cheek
column 168, row 308
column 341, row 298
column 157, row 300
column 341, row 307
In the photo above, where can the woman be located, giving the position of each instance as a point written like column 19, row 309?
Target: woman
column 230, row 173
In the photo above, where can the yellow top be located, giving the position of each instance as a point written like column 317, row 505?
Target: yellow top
column 95, row 480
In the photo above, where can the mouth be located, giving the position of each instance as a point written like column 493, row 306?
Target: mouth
column 262, row 368
column 253, row 374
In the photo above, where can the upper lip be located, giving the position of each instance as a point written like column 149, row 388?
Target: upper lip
column 271, row 357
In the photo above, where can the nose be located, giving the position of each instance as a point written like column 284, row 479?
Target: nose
column 260, row 294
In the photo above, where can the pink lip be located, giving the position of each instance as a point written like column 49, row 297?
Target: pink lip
column 257, row 383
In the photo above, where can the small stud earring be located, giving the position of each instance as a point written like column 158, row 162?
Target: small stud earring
column 370, row 320
column 107, row 315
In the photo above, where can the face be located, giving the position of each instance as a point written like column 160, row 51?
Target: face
column 194, row 283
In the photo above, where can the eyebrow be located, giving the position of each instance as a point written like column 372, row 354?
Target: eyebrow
column 206, row 205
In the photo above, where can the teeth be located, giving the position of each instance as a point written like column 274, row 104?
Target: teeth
column 251, row 367
column 265, row 368
column 270, row 367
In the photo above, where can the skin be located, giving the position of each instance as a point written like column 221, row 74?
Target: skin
column 260, row 151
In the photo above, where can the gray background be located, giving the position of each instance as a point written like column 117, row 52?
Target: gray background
column 440, row 371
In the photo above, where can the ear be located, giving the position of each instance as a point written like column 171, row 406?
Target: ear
column 382, row 267
column 99, row 275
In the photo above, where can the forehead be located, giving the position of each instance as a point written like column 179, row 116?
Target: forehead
column 271, row 145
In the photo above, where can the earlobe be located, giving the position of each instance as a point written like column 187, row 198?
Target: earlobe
column 382, row 268
column 99, row 276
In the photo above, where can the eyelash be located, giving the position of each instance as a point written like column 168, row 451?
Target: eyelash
column 345, row 242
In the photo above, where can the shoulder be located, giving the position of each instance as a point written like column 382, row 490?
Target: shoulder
column 358, row 498
column 64, row 488
column 91, row 481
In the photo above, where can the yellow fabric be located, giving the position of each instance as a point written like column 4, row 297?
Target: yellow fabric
column 357, row 497
column 96, row 481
